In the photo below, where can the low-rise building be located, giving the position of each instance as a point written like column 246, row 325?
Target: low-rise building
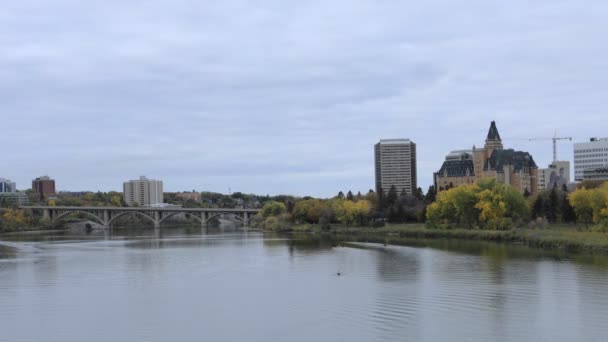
column 557, row 174
column 44, row 187
column 7, row 186
column 189, row 196
column 13, row 198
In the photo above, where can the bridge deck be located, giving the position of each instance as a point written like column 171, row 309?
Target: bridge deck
column 208, row 210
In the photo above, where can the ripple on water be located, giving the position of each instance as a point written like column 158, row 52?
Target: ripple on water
column 239, row 287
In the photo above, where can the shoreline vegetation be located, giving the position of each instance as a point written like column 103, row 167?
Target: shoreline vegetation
column 487, row 210
column 483, row 211
column 559, row 237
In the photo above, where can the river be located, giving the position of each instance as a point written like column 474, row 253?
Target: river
column 233, row 285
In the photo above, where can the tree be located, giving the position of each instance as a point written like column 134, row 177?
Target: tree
column 431, row 195
column 340, row 195
column 381, row 200
column 350, row 196
column 372, row 197
column 419, row 194
column 309, row 211
column 289, row 206
column 486, row 203
column 538, row 208
column 354, row 212
column 526, row 193
column 391, row 197
column 553, row 206
column 273, row 208
column 568, row 213
column 580, row 200
column 116, row 201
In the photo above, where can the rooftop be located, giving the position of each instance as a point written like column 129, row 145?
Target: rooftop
column 501, row 158
column 493, row 132
column 457, row 168
column 394, row 141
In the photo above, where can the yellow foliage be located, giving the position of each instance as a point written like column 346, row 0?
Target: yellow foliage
column 591, row 205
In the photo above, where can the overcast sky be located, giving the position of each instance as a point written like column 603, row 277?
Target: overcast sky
column 287, row 97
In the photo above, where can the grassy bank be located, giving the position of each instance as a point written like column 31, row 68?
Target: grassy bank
column 566, row 238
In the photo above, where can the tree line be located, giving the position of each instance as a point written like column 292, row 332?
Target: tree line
column 486, row 204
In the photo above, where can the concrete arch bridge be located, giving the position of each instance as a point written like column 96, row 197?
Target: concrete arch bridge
column 106, row 216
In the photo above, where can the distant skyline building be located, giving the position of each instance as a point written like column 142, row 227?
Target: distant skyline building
column 14, row 198
column 590, row 156
column 143, row 192
column 7, row 186
column 600, row 174
column 192, row 196
column 44, row 187
column 514, row 168
column 395, row 163
column 557, row 174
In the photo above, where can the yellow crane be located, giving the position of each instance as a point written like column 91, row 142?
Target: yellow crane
column 555, row 139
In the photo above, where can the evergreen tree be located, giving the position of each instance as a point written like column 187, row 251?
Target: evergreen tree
column 381, row 200
column 568, row 213
column 350, row 196
column 565, row 188
column 431, row 195
column 419, row 194
column 538, row 208
column 340, row 195
column 526, row 193
column 391, row 198
column 553, row 206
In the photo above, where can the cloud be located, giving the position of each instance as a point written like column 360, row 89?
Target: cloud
column 275, row 97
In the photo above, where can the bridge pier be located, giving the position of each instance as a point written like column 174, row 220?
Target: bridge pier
column 204, row 218
column 106, row 219
column 156, row 219
column 46, row 214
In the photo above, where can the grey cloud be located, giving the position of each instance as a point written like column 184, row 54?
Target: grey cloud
column 274, row 96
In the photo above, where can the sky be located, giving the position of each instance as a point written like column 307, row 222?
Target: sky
column 286, row 97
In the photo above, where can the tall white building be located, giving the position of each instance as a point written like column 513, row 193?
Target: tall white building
column 558, row 173
column 143, row 192
column 589, row 156
column 395, row 165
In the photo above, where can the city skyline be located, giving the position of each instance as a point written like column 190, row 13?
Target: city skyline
column 271, row 99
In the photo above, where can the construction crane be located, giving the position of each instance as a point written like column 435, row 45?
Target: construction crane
column 555, row 139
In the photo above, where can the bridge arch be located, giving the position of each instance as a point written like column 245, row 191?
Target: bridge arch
column 176, row 213
column 90, row 215
column 238, row 218
column 111, row 221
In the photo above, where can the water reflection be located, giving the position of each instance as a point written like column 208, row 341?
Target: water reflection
column 151, row 285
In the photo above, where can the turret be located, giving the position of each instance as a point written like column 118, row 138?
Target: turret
column 493, row 141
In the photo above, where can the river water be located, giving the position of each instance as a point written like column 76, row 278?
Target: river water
column 180, row 285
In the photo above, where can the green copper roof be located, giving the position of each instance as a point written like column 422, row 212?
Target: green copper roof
column 493, row 133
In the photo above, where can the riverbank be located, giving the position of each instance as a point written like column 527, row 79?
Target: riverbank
column 560, row 237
